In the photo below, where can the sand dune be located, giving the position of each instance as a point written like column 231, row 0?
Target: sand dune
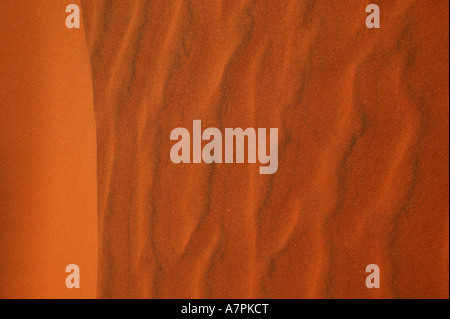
column 86, row 118
column 48, row 182
column 363, row 171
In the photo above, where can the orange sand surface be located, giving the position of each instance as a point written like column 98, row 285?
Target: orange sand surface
column 48, row 200
column 363, row 149
column 363, row 173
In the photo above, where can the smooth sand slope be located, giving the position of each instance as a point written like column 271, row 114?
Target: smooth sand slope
column 48, row 200
column 363, row 173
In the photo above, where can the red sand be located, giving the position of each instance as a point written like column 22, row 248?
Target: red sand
column 363, row 120
column 48, row 202
column 363, row 167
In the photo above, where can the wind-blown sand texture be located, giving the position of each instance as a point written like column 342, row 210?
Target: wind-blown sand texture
column 363, row 149
column 363, row 175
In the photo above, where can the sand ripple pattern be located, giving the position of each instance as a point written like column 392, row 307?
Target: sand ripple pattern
column 363, row 174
